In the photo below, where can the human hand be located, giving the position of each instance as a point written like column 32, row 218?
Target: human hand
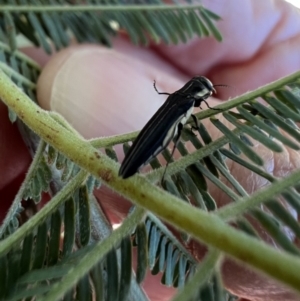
column 105, row 92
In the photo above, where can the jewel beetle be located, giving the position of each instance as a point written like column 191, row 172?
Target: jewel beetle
column 166, row 124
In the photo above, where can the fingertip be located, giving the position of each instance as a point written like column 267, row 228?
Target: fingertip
column 99, row 91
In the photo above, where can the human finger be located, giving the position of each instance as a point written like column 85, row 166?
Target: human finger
column 260, row 45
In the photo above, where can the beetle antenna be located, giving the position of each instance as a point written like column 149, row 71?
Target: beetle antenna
column 154, row 85
column 227, row 86
column 210, row 106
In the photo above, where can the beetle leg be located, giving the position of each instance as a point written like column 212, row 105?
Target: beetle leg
column 176, row 140
column 154, row 85
column 193, row 127
column 209, row 106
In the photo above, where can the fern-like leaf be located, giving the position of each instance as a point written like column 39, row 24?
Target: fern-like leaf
column 98, row 21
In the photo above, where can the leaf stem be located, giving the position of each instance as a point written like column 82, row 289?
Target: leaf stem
column 94, row 8
column 113, row 140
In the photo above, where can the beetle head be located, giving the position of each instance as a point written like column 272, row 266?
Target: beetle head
column 204, row 87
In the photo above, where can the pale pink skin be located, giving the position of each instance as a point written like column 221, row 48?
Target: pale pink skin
column 105, row 92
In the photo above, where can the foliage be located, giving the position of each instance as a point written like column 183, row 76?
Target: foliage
column 68, row 250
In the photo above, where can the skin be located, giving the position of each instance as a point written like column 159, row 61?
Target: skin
column 105, row 92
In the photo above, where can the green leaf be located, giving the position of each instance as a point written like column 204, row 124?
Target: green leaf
column 126, row 268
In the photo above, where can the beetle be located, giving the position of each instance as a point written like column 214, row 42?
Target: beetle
column 166, row 124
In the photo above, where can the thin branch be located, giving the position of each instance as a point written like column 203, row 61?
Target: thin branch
column 94, row 8
column 113, row 140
